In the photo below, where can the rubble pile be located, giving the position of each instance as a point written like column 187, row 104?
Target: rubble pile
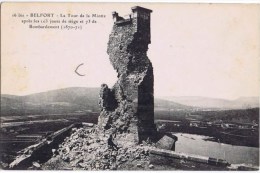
column 88, row 149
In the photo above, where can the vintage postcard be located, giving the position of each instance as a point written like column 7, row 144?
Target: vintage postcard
column 129, row 86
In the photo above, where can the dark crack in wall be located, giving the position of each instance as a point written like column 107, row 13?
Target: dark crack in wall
column 129, row 106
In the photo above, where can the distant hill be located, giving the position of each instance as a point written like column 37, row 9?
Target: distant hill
column 161, row 104
column 82, row 99
column 205, row 102
column 51, row 102
column 68, row 100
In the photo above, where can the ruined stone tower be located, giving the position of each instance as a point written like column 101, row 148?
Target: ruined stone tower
column 129, row 106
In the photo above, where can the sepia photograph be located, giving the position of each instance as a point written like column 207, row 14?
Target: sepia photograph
column 130, row 86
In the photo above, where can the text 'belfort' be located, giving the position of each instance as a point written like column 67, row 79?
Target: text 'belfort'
column 60, row 21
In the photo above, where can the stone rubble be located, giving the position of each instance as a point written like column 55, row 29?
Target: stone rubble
column 88, row 149
column 36, row 164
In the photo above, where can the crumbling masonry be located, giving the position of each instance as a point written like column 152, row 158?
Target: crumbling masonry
column 129, row 106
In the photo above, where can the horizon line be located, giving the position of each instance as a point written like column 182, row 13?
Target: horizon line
column 158, row 96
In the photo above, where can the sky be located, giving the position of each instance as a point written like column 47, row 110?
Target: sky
column 209, row 50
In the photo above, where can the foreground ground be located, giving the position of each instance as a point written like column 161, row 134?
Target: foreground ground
column 87, row 149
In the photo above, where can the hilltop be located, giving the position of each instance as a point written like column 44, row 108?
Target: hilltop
column 215, row 103
column 67, row 100
column 83, row 100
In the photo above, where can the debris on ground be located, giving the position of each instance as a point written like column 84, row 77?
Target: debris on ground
column 36, row 165
column 87, row 149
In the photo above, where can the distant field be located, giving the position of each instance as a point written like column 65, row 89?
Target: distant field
column 232, row 116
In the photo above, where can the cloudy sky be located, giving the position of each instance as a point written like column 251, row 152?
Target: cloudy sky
column 210, row 50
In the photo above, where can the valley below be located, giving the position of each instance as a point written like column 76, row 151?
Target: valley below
column 233, row 133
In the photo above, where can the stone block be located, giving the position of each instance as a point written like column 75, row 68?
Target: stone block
column 167, row 142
